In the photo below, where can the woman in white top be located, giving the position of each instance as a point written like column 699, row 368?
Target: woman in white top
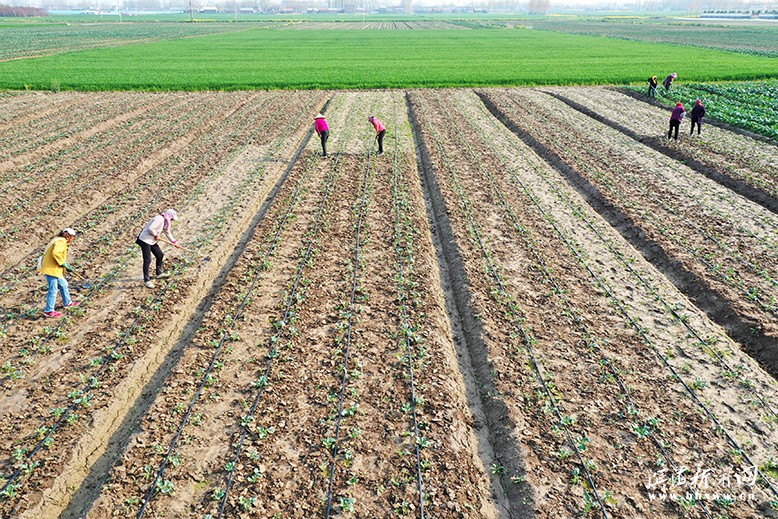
column 147, row 240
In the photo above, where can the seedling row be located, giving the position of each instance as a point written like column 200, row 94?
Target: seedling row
column 494, row 317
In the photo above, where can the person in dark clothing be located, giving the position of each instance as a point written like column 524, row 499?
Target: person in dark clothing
column 323, row 131
column 675, row 119
column 698, row 112
column 652, row 83
column 668, row 82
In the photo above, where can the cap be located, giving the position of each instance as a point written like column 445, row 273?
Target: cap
column 69, row 230
column 319, row 116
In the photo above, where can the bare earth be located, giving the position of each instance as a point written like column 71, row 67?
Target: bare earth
column 531, row 305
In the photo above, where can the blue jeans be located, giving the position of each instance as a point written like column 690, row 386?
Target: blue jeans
column 54, row 284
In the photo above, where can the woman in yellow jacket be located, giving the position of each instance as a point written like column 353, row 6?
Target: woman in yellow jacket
column 53, row 266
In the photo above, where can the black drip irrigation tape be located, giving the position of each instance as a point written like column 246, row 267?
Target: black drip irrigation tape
column 114, row 354
column 363, row 204
column 288, row 312
column 641, row 331
column 514, row 311
column 460, row 309
column 738, row 186
column 747, row 332
column 406, row 327
column 250, row 233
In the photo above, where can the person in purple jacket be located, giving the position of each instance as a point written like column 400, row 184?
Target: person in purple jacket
column 323, row 131
column 698, row 112
column 675, row 119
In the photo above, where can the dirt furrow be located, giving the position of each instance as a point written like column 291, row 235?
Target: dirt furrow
column 743, row 164
column 690, row 258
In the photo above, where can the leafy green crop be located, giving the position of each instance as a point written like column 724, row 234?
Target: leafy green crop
column 748, row 105
column 259, row 58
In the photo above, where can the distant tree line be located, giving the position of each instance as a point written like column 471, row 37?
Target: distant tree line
column 8, row 10
column 538, row 6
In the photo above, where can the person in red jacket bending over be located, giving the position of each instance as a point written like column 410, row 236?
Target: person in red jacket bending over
column 323, row 131
column 380, row 130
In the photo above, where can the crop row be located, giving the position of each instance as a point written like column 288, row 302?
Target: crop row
column 668, row 200
column 747, row 105
column 27, row 40
column 737, row 161
column 595, row 341
column 135, row 337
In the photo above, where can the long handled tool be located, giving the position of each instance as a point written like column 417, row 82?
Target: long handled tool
column 85, row 284
column 174, row 245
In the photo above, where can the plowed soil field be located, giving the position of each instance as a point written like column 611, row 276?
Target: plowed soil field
column 530, row 305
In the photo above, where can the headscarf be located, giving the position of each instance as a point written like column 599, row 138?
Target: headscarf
column 169, row 215
column 698, row 103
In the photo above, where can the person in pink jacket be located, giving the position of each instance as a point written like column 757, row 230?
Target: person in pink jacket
column 147, row 241
column 380, row 131
column 323, row 131
column 675, row 119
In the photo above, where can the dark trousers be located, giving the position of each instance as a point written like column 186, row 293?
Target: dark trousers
column 324, row 136
column 673, row 125
column 147, row 250
column 699, row 126
column 381, row 141
column 651, row 91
